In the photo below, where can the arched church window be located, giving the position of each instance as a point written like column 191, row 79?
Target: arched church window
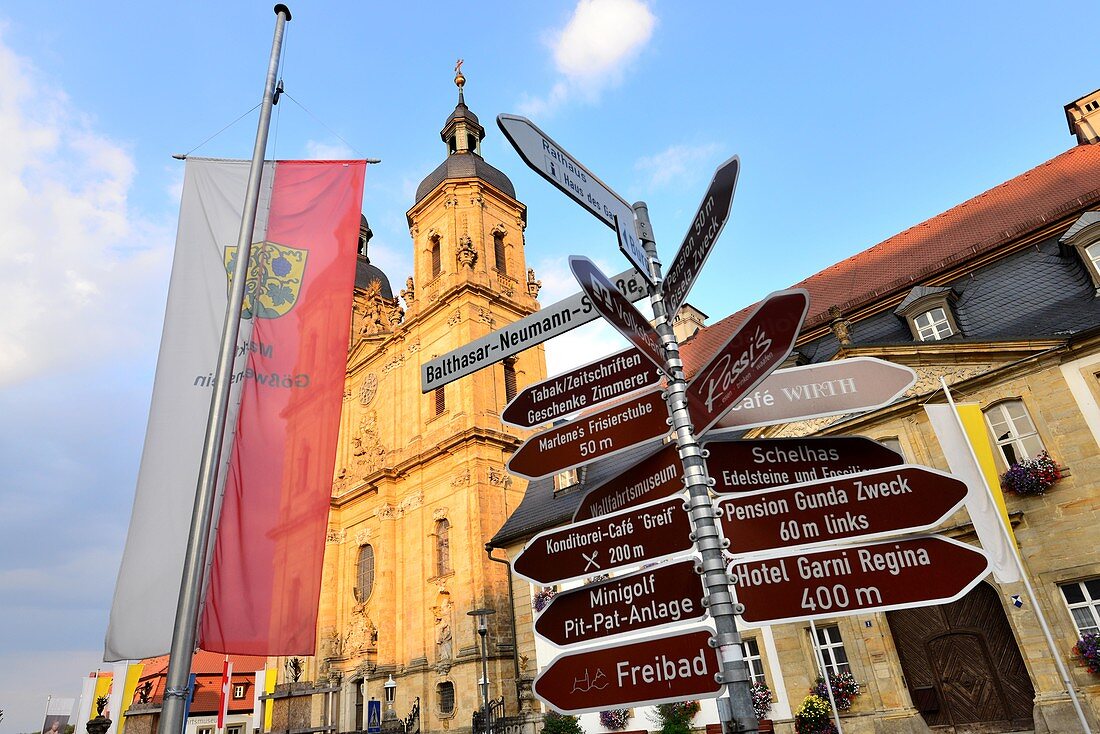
column 509, row 379
column 364, row 579
column 437, row 258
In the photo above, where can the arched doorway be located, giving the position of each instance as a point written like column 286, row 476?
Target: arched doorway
column 962, row 665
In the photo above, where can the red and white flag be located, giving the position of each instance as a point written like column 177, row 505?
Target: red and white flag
column 277, row 460
column 227, row 682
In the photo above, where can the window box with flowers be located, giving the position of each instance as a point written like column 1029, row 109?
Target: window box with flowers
column 1087, row 652
column 814, row 716
column 844, row 688
column 614, row 719
column 541, row 598
column 762, row 704
column 1031, row 477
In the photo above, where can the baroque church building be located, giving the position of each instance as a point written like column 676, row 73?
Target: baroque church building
column 420, row 481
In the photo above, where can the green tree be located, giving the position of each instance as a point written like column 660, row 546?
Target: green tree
column 555, row 723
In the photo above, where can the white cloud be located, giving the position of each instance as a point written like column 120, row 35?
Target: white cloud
column 318, row 151
column 676, row 162
column 82, row 273
column 593, row 50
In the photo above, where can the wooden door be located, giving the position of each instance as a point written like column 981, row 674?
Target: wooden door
column 962, row 665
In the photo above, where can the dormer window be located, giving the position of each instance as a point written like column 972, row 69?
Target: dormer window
column 1084, row 239
column 932, row 325
column 929, row 312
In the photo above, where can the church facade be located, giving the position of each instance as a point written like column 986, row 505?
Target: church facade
column 420, row 481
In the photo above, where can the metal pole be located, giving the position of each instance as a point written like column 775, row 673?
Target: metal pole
column 719, row 601
column 819, row 655
column 1062, row 672
column 176, row 692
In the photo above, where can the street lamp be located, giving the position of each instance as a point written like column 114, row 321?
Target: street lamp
column 483, row 631
column 390, row 686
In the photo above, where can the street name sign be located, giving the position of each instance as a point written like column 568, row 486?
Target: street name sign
column 760, row 344
column 652, row 478
column 649, row 599
column 616, row 310
column 637, row 535
column 901, row 574
column 651, row 670
column 848, row 385
column 550, row 161
column 553, row 320
column 876, row 503
column 700, row 239
column 586, row 386
column 593, row 436
column 760, row 463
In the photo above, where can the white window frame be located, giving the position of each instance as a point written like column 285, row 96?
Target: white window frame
column 1090, row 607
column 1092, row 252
column 238, row 691
column 893, row 443
column 751, row 650
column 828, row 647
column 932, row 326
column 1014, row 443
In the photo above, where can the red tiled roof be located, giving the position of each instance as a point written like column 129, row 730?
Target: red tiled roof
column 207, row 667
column 1022, row 204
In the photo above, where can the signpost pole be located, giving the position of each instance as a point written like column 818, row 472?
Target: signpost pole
column 820, row 655
column 720, row 604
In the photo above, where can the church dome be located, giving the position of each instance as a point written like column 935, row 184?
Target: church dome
column 365, row 273
column 463, row 134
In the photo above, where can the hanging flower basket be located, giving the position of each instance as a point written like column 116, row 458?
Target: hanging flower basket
column 1031, row 477
column 614, row 719
column 542, row 598
column 814, row 716
column 844, row 688
column 761, row 700
column 1087, row 651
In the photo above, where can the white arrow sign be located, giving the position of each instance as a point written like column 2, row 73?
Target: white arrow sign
column 550, row 160
column 558, row 318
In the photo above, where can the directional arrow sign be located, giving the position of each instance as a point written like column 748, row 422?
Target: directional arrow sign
column 651, row 670
column 549, row 160
column 639, row 535
column 590, row 437
column 584, row 387
column 759, row 463
column 818, row 390
column 900, row 574
column 648, row 599
column 763, row 341
column 901, row 499
column 705, row 228
column 652, row 478
column 616, row 310
column 530, row 331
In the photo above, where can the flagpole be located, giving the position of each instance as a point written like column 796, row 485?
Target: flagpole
column 1062, row 671
column 177, row 686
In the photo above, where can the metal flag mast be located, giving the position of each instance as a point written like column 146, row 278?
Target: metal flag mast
column 176, row 693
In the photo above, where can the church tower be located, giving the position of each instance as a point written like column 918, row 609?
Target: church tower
column 420, row 480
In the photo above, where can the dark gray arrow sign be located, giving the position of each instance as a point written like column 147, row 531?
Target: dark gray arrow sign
column 583, row 387
column 700, row 239
column 616, row 310
column 758, row 346
column 648, row 599
column 550, row 161
column 629, row 538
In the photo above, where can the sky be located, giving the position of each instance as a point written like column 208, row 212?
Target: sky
column 854, row 121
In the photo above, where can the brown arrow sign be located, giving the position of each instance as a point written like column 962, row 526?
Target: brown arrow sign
column 590, row 437
column 640, row 672
column 760, row 463
column 654, row 597
column 639, row 535
column 902, row 499
column 818, row 390
column 616, row 309
column 738, row 466
column 705, row 228
column 899, row 574
column 762, row 342
column 656, row 476
column 584, row 387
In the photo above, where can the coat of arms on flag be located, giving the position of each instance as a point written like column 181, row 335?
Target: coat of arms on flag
column 274, row 278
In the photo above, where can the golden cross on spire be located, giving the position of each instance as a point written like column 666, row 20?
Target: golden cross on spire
column 460, row 80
